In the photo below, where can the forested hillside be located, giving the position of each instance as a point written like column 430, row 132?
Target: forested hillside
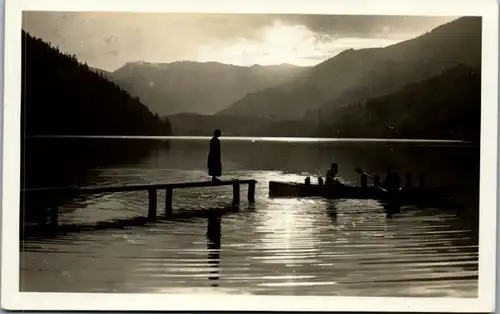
column 62, row 96
column 447, row 106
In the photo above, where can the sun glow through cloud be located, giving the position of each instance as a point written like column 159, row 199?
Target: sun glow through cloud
column 280, row 43
column 108, row 40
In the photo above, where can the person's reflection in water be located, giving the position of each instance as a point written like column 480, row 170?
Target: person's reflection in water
column 331, row 210
column 213, row 245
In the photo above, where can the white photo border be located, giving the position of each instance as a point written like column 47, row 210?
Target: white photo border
column 12, row 299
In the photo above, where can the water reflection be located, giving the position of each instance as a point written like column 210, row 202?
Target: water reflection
column 285, row 224
column 331, row 210
column 213, row 245
column 276, row 246
column 308, row 247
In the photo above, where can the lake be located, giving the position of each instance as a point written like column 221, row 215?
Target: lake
column 275, row 246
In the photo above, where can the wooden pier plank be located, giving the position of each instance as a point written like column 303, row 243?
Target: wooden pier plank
column 129, row 188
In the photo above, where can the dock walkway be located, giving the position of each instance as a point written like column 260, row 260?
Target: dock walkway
column 152, row 192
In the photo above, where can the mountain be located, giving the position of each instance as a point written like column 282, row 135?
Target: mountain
column 62, row 96
column 357, row 75
column 446, row 106
column 104, row 73
column 194, row 87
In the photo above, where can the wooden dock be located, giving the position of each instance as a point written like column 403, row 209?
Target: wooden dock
column 152, row 193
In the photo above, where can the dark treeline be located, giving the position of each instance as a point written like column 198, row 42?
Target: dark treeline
column 191, row 124
column 447, row 106
column 63, row 96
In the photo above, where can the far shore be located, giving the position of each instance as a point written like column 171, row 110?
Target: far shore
column 261, row 139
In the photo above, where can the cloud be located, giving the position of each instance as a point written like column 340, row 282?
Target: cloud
column 107, row 40
column 282, row 43
column 384, row 26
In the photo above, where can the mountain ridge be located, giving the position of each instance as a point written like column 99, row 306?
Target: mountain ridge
column 445, row 106
column 198, row 87
column 356, row 75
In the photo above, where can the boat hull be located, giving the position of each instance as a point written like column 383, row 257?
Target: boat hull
column 292, row 189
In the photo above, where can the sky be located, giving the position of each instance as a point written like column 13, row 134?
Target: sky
column 108, row 40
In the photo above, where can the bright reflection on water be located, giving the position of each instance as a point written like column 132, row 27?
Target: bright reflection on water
column 276, row 246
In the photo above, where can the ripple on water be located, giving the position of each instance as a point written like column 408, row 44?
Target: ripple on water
column 281, row 246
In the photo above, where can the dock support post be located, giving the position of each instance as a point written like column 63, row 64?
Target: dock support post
column 236, row 194
column 409, row 180
column 152, row 204
column 376, row 184
column 54, row 217
column 169, row 193
column 251, row 192
column 364, row 181
column 42, row 216
column 421, row 181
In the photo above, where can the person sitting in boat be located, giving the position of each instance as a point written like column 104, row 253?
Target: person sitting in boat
column 392, row 182
column 307, row 181
column 331, row 175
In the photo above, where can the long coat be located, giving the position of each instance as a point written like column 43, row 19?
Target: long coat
column 214, row 163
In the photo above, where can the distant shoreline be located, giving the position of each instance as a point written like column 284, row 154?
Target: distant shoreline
column 261, row 139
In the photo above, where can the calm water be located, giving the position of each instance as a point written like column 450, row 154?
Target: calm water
column 276, row 246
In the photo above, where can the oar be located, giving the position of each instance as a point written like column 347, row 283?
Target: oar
column 359, row 170
column 382, row 189
column 394, row 202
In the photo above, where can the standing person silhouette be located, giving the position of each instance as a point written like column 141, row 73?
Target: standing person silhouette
column 214, row 164
column 331, row 176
